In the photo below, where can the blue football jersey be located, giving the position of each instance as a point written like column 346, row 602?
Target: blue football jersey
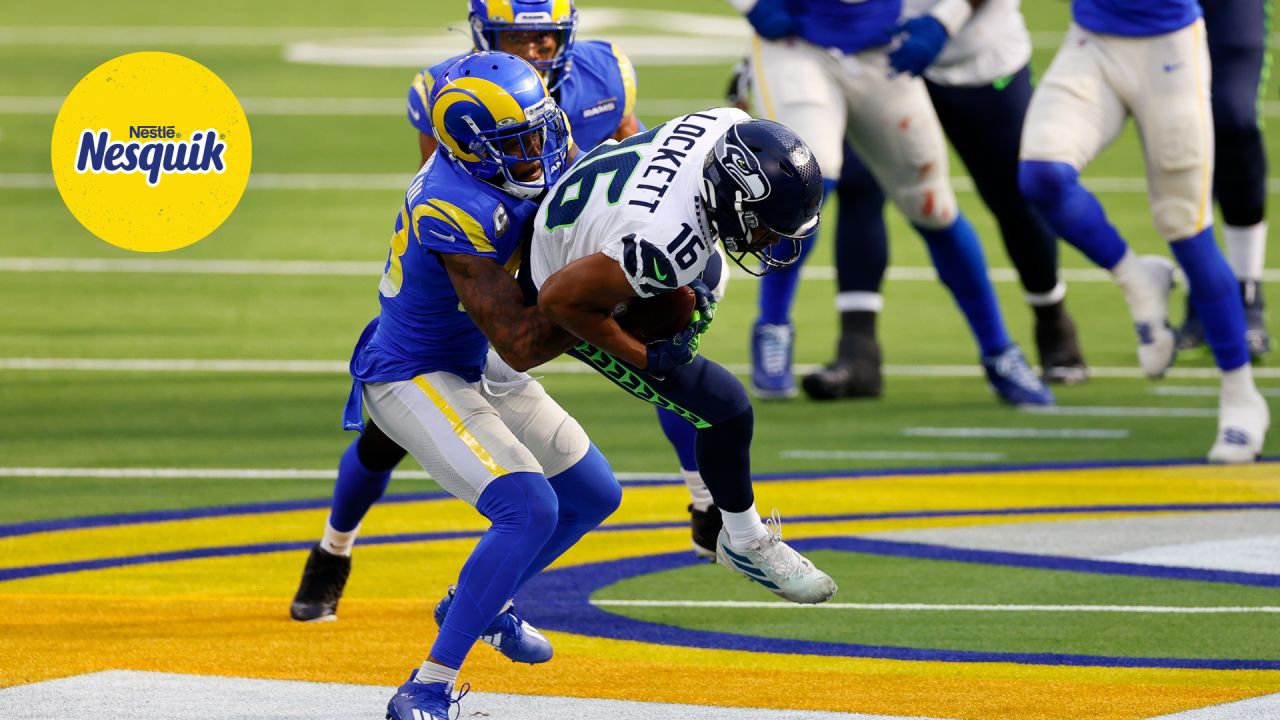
column 422, row 326
column 598, row 93
column 845, row 25
column 1134, row 18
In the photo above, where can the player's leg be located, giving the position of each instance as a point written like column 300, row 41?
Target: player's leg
column 862, row 256
column 1074, row 113
column 1171, row 107
column 1237, row 33
column 363, row 474
column 460, row 439
column 894, row 129
column 984, row 125
column 792, row 83
column 716, row 403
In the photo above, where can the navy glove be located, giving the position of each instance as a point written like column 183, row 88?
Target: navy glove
column 669, row 354
column 922, row 41
column 771, row 19
column 704, row 307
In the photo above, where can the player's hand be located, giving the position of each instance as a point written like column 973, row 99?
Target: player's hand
column 921, row 40
column 771, row 19
column 704, row 306
column 669, row 354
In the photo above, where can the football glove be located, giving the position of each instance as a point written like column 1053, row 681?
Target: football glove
column 704, row 306
column 771, row 19
column 922, row 39
column 669, row 354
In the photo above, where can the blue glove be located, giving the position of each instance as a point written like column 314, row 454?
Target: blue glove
column 922, row 41
column 771, row 19
column 704, row 308
column 669, row 354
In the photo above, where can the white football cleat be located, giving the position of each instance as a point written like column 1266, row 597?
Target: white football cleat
column 775, row 565
column 1157, row 341
column 1242, row 428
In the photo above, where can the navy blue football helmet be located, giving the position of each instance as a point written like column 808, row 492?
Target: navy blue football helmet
column 761, row 184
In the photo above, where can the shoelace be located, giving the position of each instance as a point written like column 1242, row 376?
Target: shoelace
column 773, row 350
column 1011, row 366
column 454, row 700
column 782, row 557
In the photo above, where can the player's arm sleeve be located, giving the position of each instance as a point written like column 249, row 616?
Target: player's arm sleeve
column 419, row 92
column 649, row 270
column 447, row 229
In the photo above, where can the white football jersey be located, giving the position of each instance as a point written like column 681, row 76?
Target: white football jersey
column 637, row 202
column 993, row 44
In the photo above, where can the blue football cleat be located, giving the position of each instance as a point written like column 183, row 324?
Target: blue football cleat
column 1013, row 380
column 514, row 638
column 423, row 701
column 771, row 377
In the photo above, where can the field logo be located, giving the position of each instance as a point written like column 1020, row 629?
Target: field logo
column 151, row 151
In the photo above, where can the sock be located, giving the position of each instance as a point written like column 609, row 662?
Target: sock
column 1076, row 215
column 356, row 490
column 1214, row 294
column 1130, row 274
column 1053, row 297
column 336, row 542
column 432, row 672
column 778, row 288
column 683, row 438
column 698, row 491
column 745, row 528
column 957, row 255
column 524, row 511
column 1237, row 386
column 1246, row 250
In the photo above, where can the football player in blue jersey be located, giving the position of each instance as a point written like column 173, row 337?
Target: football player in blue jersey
column 1147, row 59
column 485, row 431
column 821, row 67
column 595, row 85
column 1237, row 31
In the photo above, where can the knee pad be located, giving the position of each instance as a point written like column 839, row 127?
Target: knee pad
column 1177, row 217
column 930, row 205
column 1043, row 182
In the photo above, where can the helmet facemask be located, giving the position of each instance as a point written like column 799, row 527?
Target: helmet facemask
column 486, row 31
column 542, row 139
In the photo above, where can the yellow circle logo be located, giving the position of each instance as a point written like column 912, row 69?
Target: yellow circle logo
column 151, row 151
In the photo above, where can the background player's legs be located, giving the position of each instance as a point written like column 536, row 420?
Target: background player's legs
column 1174, row 121
column 1074, row 113
column 793, row 84
column 984, row 125
column 894, row 129
column 363, row 474
column 1237, row 34
column 862, row 256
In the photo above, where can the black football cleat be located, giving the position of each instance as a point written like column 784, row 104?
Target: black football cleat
column 1255, row 318
column 704, row 526
column 1191, row 334
column 1058, row 344
column 323, row 580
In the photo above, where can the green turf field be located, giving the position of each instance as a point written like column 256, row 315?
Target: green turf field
column 276, row 416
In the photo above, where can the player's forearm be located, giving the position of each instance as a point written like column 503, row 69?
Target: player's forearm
column 588, row 316
column 529, row 340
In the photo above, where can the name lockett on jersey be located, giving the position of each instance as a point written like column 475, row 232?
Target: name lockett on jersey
column 685, row 133
column 202, row 153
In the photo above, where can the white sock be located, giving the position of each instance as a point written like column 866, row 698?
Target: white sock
column 1053, row 297
column 1246, row 249
column 745, row 528
column 697, row 490
column 1133, row 279
column 336, row 542
column 1237, row 386
column 432, row 672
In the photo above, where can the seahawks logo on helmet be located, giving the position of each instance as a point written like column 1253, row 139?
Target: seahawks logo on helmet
column 744, row 168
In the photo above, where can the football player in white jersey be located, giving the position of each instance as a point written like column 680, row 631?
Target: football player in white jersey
column 641, row 217
column 1146, row 59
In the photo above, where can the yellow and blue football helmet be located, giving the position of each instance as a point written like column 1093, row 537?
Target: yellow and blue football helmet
column 491, row 112
column 559, row 17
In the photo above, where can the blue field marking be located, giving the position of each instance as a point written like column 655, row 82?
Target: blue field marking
column 156, row 516
column 559, row 599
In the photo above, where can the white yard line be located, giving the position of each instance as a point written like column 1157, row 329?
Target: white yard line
column 888, row 455
column 1103, row 411
column 1201, row 391
column 928, row 607
column 1016, row 433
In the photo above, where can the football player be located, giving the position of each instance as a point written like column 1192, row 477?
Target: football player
column 425, row 371
column 642, row 217
column 1237, row 33
column 595, row 84
column 980, row 83
column 822, row 67
column 1146, row 59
